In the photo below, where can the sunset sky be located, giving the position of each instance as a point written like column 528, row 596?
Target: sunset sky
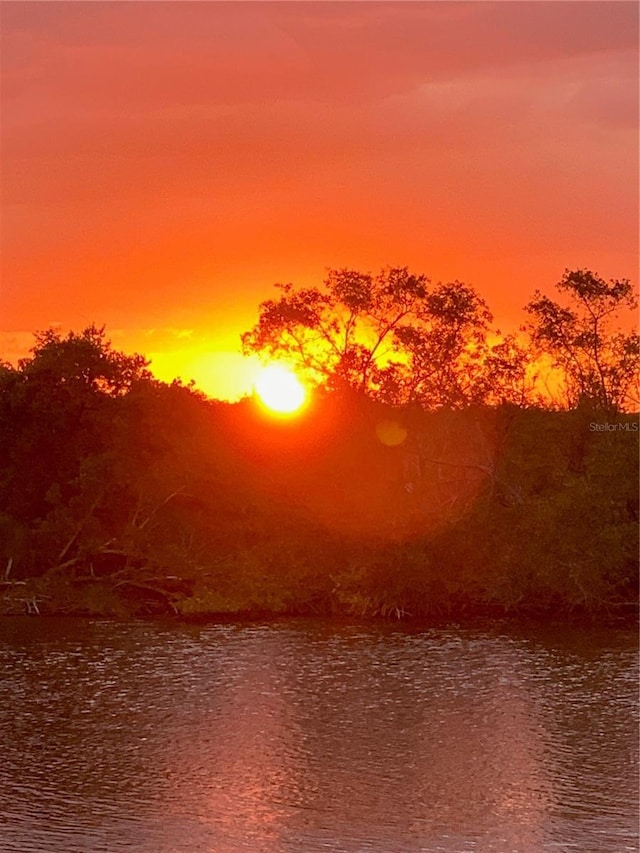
column 164, row 164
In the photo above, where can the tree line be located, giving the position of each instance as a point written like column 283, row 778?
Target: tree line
column 426, row 478
column 403, row 341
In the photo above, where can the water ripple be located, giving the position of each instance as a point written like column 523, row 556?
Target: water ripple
column 308, row 736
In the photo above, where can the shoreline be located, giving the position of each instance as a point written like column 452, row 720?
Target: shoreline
column 35, row 604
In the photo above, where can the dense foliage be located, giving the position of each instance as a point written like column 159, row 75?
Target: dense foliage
column 120, row 494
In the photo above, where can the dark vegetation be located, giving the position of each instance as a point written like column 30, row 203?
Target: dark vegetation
column 428, row 477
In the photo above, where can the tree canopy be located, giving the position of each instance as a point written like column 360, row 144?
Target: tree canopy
column 394, row 336
column 402, row 340
column 599, row 363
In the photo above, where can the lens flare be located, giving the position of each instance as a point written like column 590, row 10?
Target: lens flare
column 391, row 433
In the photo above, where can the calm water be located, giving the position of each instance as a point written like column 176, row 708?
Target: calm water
column 309, row 736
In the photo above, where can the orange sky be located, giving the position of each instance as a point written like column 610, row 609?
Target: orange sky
column 163, row 164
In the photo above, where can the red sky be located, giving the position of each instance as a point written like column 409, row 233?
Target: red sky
column 164, row 164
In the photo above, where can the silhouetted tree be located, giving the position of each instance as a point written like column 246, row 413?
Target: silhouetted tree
column 445, row 350
column 599, row 364
column 391, row 336
column 58, row 411
column 507, row 373
column 82, row 359
column 340, row 333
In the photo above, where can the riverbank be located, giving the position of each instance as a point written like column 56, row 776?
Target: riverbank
column 40, row 597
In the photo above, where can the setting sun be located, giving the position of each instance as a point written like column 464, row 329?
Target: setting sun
column 280, row 390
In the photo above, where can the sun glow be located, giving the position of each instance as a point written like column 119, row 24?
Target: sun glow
column 280, row 390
